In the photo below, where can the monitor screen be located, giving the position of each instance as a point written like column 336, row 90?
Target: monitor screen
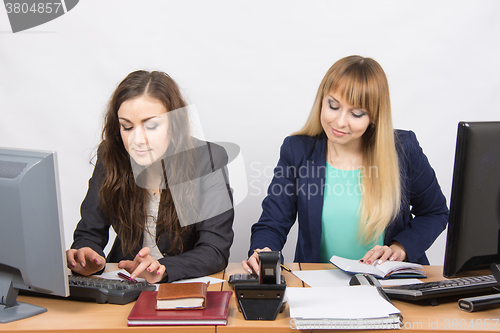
column 473, row 238
column 31, row 231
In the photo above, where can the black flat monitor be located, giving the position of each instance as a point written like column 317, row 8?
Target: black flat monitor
column 473, row 240
column 32, row 255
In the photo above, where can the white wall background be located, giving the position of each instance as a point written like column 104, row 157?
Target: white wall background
column 252, row 69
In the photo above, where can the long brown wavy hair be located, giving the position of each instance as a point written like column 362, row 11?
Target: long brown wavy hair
column 120, row 197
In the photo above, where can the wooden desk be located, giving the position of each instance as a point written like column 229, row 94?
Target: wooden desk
column 78, row 317
column 446, row 317
column 71, row 316
column 420, row 316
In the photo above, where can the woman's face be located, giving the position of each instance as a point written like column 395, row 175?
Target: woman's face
column 343, row 123
column 144, row 128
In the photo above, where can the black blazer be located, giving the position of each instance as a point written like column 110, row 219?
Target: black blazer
column 206, row 245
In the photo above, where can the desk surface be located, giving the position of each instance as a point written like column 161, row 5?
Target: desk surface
column 65, row 315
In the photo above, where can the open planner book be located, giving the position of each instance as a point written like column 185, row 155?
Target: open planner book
column 388, row 269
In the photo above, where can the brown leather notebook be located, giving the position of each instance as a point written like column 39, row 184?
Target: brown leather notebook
column 178, row 296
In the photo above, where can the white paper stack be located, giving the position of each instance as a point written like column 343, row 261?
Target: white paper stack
column 356, row 307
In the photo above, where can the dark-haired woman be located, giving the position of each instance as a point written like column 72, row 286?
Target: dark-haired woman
column 165, row 193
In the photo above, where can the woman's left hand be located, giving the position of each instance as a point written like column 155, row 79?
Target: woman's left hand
column 144, row 266
column 395, row 252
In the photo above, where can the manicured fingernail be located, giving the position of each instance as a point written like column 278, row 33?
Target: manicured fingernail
column 379, row 262
column 158, row 273
column 392, row 259
column 249, row 271
column 138, row 254
column 368, row 262
column 96, row 261
column 361, row 260
column 149, row 269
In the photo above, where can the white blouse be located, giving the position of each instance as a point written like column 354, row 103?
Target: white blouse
column 150, row 232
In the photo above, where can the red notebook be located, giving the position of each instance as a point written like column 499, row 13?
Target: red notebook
column 215, row 313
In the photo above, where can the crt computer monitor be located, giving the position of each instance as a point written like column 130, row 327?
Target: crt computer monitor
column 32, row 255
column 473, row 240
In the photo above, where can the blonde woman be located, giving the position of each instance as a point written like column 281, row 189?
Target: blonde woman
column 360, row 189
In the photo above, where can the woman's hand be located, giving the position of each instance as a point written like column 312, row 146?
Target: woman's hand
column 395, row 252
column 144, row 266
column 252, row 264
column 84, row 261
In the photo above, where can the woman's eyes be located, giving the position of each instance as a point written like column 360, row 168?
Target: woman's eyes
column 150, row 127
column 334, row 106
column 358, row 115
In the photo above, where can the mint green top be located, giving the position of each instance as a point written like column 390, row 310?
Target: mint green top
column 340, row 217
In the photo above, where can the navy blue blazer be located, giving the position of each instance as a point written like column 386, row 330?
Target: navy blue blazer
column 297, row 190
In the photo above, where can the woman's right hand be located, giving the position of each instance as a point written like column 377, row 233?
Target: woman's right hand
column 84, row 261
column 251, row 265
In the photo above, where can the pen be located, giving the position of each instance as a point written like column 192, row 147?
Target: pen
column 125, row 276
column 285, row 268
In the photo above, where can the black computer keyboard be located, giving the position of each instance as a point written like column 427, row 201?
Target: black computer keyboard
column 460, row 286
column 106, row 291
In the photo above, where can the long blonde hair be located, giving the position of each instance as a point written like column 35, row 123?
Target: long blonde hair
column 362, row 82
